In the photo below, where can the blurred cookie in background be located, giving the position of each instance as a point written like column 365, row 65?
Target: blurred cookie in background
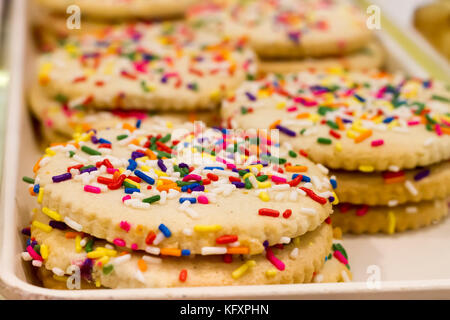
column 433, row 22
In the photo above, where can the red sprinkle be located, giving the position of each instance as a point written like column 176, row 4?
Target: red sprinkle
column 314, row 196
column 183, row 275
column 212, row 176
column 361, row 211
column 268, row 212
column 376, row 143
column 150, row 237
column 287, row 213
column 226, row 239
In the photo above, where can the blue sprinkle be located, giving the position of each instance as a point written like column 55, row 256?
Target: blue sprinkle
column 165, row 230
column 131, row 190
column 101, row 140
column 388, row 120
column 361, row 99
column 212, row 168
column 36, row 188
column 191, row 200
column 138, row 123
column 333, row 183
column 144, row 177
column 185, row 252
column 132, row 165
column 189, row 186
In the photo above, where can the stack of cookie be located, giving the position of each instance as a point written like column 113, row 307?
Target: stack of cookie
column 55, row 20
column 134, row 71
column 386, row 138
column 130, row 207
column 295, row 35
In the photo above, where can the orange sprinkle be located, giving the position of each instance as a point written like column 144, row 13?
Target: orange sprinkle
column 150, row 154
column 302, row 115
column 54, row 144
column 445, row 130
column 134, row 141
column 36, row 166
column 128, row 127
column 296, row 168
column 274, row 125
column 237, row 250
column 142, row 265
column 340, row 123
column 85, row 127
column 73, row 234
column 168, row 187
column 170, row 252
column 363, row 136
column 32, row 193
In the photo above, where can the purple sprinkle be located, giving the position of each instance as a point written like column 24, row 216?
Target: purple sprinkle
column 294, row 36
column 198, row 188
column 422, row 174
column 137, row 154
column 287, row 131
column 238, row 184
column 250, row 96
column 183, row 165
column 26, row 231
column 88, row 170
column 94, row 139
column 57, row 225
column 161, row 165
column 62, row 177
column 86, row 269
column 266, row 244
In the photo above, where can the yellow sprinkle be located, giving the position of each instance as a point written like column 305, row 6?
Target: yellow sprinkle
column 97, row 283
column 205, row 228
column 215, row 95
column 314, row 117
column 100, row 252
column 264, row 196
column 44, row 227
column 351, row 134
column 338, row 146
column 40, row 195
column 271, row 273
column 60, row 278
column 159, row 183
column 336, row 199
column 78, row 247
column 248, row 174
column 145, row 168
column 257, row 166
column 296, row 241
column 337, row 233
column 169, row 124
column 144, row 158
column 44, row 251
column 102, row 261
column 121, row 170
column 280, row 105
column 391, row 222
column 366, row 168
column 239, row 272
column 160, row 173
column 392, row 124
column 137, row 185
column 52, row 214
column 50, row 152
column 263, row 185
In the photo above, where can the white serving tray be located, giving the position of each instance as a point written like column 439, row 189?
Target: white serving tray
column 411, row 264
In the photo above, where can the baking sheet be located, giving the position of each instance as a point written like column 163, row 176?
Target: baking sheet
column 409, row 265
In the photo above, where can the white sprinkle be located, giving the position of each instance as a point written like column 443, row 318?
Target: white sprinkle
column 234, row 244
column 411, row 188
column 318, row 278
column 411, row 210
column 394, row 168
column 280, row 196
column 345, row 276
column 322, row 168
column 121, row 259
column 109, row 246
column 293, row 195
column 140, row 276
column 74, row 225
column 308, row 211
column 213, row 250
column 37, row 263
column 429, row 141
column 159, row 237
column 392, row 203
column 301, row 192
column 188, row 232
column 84, row 241
column 294, row 253
column 58, row 271
column 285, row 240
column 153, row 250
column 163, row 195
column 152, row 259
column 26, row 256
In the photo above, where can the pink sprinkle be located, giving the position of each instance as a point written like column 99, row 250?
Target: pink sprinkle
column 231, row 166
column 202, row 199
column 125, row 226
column 127, row 197
column 380, row 93
column 376, row 143
column 195, row 177
column 274, row 260
column 134, row 246
column 413, row 122
column 362, row 210
column 438, row 130
column 111, row 170
column 140, row 66
column 277, row 179
column 292, row 109
column 34, row 254
column 119, row 242
column 92, row 189
column 338, row 255
column 305, row 102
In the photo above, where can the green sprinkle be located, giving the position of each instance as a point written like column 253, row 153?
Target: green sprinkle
column 71, row 154
column 242, row 172
column 61, row 98
column 440, row 98
column 429, row 119
column 144, row 86
column 302, row 131
column 248, row 184
column 28, row 179
column 89, row 245
column 292, row 154
column 165, row 138
column 262, row 178
column 108, row 269
column 324, row 140
column 162, row 154
column 86, row 167
column 152, row 199
column 90, row 151
column 340, row 248
column 332, row 124
column 322, row 110
column 122, row 136
column 126, row 184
